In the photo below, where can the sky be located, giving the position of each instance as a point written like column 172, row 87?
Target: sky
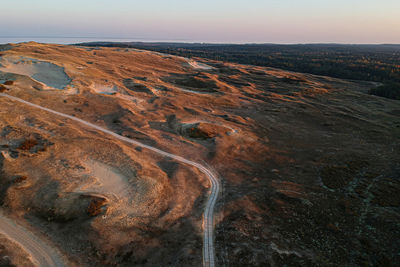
column 227, row 21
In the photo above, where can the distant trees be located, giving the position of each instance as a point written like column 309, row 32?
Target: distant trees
column 389, row 90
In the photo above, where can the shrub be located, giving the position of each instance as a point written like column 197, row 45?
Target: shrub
column 95, row 206
column 389, row 90
column 28, row 144
column 20, row 179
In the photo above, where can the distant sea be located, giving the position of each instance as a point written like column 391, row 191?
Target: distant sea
column 76, row 40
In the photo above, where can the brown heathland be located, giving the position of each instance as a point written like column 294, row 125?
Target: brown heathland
column 304, row 160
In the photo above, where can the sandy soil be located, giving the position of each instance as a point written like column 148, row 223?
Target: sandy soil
column 199, row 65
column 105, row 180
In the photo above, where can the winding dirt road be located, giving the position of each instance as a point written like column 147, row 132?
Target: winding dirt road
column 208, row 217
column 42, row 255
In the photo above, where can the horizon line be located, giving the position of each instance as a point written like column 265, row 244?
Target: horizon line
column 188, row 41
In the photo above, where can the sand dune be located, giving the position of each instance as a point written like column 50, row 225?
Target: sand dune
column 105, row 180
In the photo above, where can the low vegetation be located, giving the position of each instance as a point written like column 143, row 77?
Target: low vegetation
column 389, row 90
column 378, row 63
column 28, row 144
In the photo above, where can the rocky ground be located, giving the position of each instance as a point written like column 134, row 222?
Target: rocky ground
column 309, row 164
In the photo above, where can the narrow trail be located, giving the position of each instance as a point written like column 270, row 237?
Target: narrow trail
column 208, row 216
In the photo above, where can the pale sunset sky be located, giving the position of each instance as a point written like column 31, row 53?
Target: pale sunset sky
column 229, row 21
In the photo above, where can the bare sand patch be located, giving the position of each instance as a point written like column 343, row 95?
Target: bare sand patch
column 48, row 74
column 105, row 180
column 104, row 89
column 199, row 65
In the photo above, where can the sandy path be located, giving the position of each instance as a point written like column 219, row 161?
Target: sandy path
column 208, row 216
column 41, row 253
